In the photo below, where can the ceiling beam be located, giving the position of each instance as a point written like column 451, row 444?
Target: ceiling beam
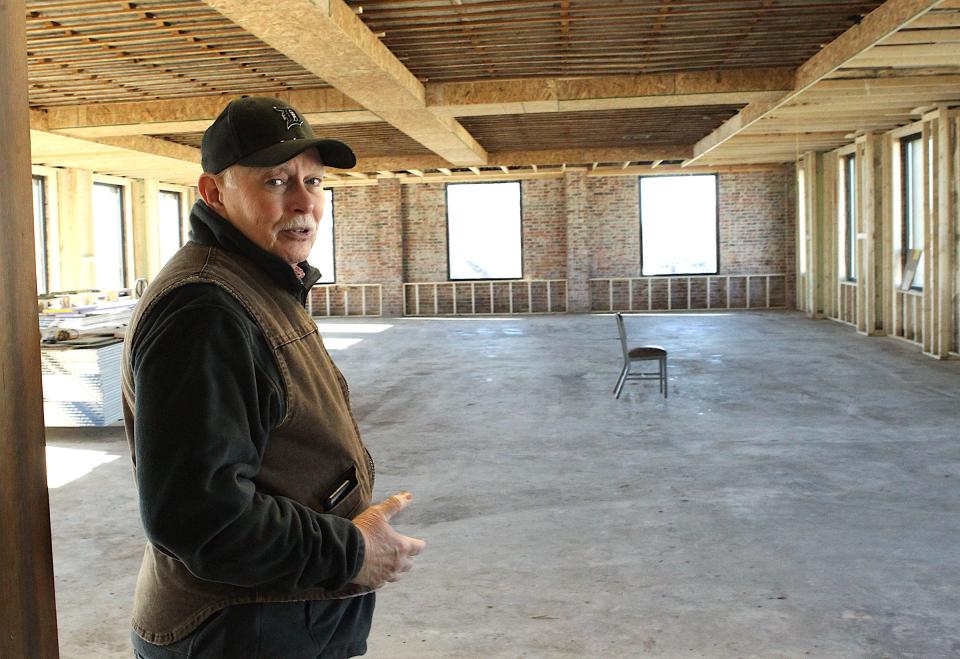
column 133, row 157
column 153, row 146
column 328, row 39
column 874, row 28
column 187, row 115
column 328, row 106
column 618, row 92
column 543, row 157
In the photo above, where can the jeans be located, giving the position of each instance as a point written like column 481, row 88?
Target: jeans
column 328, row 629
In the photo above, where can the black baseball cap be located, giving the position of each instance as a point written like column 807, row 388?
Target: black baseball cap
column 262, row 132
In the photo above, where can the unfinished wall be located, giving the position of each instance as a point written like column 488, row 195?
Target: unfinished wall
column 757, row 222
column 424, row 212
column 927, row 315
column 613, row 208
column 544, row 229
column 757, row 232
column 368, row 240
column 576, row 228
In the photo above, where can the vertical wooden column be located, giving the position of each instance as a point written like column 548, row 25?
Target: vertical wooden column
column 929, row 245
column 145, row 204
column 28, row 620
column 76, row 236
column 870, row 219
column 886, row 281
column 828, row 165
column 946, row 140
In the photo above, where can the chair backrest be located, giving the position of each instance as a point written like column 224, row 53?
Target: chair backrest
column 623, row 336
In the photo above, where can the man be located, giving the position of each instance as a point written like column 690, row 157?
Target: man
column 254, row 484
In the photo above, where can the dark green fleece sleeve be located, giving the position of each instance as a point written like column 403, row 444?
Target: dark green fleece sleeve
column 208, row 393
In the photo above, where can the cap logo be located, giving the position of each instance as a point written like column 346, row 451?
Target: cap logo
column 290, row 117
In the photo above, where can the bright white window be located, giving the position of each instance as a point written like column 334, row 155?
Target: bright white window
column 40, row 232
column 678, row 224
column 483, row 230
column 322, row 255
column 108, row 236
column 171, row 221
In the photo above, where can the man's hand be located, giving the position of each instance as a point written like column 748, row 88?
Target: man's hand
column 387, row 554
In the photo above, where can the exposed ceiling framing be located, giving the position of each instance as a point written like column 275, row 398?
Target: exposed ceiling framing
column 459, row 88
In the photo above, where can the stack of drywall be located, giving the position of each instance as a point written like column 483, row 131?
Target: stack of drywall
column 81, row 383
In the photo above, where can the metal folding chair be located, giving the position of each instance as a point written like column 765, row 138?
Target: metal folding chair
column 645, row 353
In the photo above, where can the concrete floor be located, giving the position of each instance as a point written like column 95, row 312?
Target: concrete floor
column 797, row 495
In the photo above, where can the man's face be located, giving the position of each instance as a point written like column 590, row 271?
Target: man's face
column 278, row 208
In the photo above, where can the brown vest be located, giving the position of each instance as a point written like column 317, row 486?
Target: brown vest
column 317, row 441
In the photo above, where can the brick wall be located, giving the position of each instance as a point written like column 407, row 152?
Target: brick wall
column 424, row 213
column 544, row 229
column 612, row 204
column 368, row 240
column 392, row 233
column 757, row 221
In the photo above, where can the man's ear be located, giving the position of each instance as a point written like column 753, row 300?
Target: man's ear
column 210, row 187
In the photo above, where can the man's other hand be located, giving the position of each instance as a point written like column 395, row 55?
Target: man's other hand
column 387, row 554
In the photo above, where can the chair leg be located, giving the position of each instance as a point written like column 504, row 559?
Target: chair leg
column 623, row 371
column 623, row 378
column 664, row 371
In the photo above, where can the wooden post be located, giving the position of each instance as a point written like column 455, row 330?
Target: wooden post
column 871, row 198
column 76, row 242
column 930, row 257
column 886, row 278
column 146, row 228
column 946, row 232
column 28, row 617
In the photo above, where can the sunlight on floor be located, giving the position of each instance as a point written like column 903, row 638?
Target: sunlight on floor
column 339, row 342
column 65, row 465
column 353, row 328
column 342, row 342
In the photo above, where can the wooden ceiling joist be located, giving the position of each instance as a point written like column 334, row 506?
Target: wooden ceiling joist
column 876, row 26
column 347, row 54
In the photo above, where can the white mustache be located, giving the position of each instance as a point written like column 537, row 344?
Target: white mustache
column 305, row 224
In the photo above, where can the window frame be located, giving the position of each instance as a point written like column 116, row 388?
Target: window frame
column 333, row 239
column 716, row 220
column 850, row 215
column 446, row 204
column 181, row 207
column 907, row 212
column 41, row 249
column 126, row 234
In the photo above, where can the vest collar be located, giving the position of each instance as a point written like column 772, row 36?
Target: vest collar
column 207, row 227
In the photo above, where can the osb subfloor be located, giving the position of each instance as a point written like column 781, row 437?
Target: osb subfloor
column 798, row 494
